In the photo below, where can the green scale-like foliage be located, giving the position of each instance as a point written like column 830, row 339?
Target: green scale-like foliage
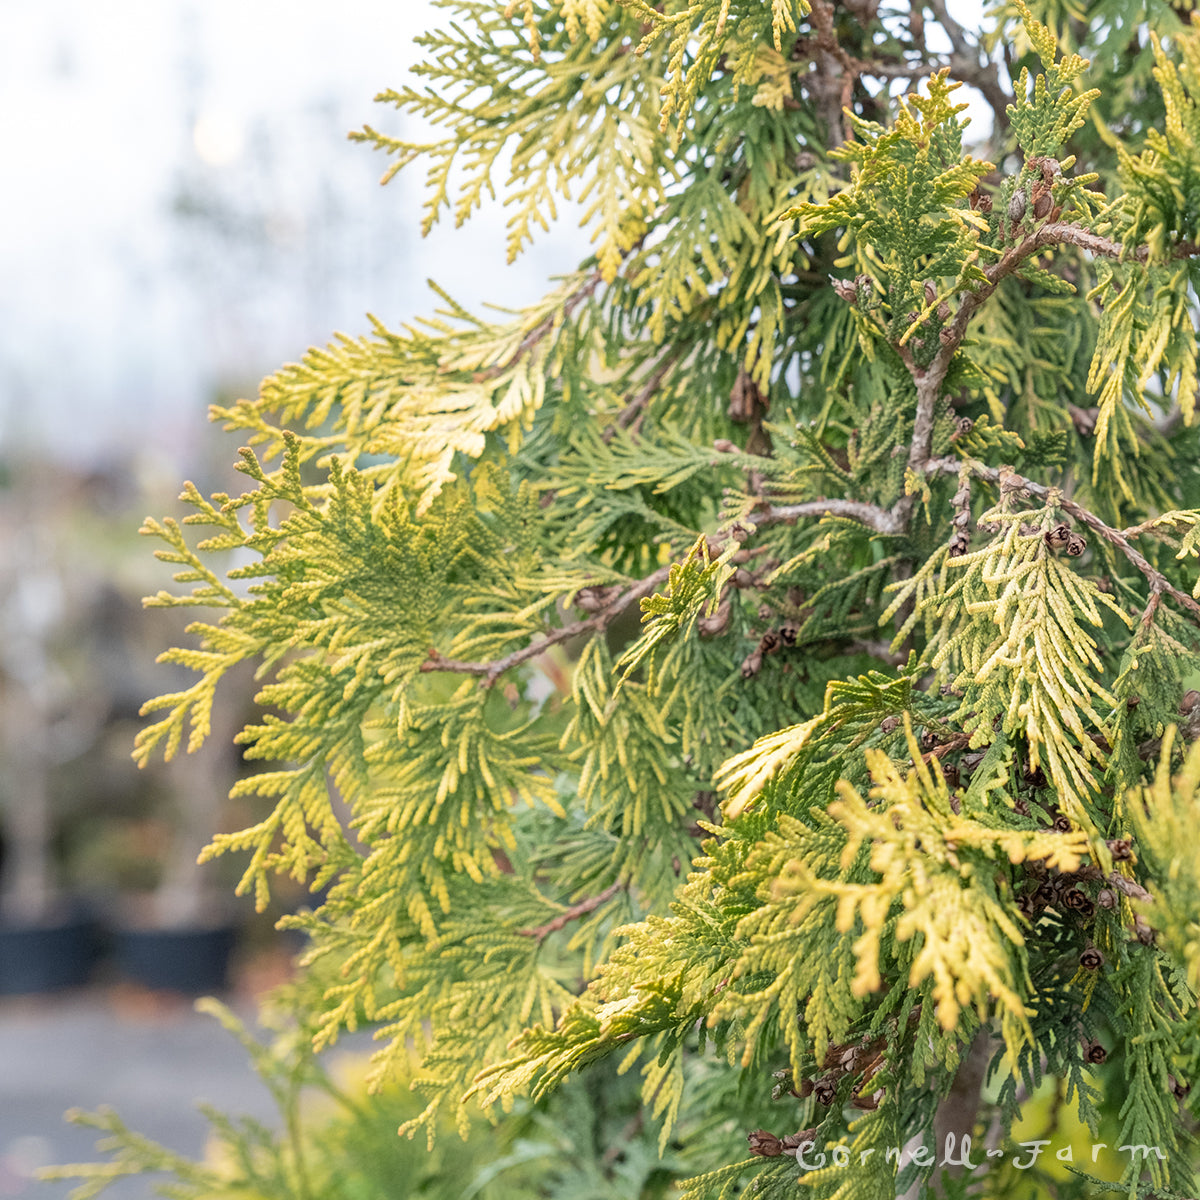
column 891, row 451
column 901, row 207
column 1014, row 620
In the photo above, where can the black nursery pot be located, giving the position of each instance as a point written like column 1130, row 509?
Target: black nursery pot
column 47, row 958
column 193, row 961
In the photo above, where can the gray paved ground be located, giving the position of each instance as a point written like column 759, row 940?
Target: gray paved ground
column 84, row 1050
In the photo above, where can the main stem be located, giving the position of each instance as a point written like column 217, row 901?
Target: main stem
column 959, row 1109
column 956, row 1114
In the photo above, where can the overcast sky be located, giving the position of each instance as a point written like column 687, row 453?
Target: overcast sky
column 182, row 211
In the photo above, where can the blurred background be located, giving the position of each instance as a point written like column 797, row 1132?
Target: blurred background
column 183, row 214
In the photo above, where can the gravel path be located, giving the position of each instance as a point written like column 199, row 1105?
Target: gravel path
column 151, row 1062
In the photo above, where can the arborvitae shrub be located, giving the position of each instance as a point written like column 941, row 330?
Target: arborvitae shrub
column 886, row 815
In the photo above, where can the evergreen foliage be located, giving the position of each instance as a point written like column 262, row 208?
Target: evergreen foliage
column 889, row 797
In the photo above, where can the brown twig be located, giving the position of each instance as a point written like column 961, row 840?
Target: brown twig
column 871, row 515
column 965, row 65
column 541, row 932
column 957, row 1110
column 635, row 406
column 1115, row 537
column 491, row 671
column 831, row 88
column 929, row 379
column 544, row 327
column 890, row 70
column 1151, row 609
column 1128, row 886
